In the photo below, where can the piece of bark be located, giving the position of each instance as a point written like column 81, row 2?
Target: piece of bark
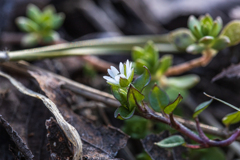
column 58, row 145
column 21, row 148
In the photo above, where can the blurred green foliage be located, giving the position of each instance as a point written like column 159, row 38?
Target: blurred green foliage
column 40, row 25
column 204, row 35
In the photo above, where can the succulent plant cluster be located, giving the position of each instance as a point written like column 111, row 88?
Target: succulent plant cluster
column 40, row 25
column 205, row 34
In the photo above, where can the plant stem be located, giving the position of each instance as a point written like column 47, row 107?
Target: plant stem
column 201, row 133
column 184, row 67
column 92, row 47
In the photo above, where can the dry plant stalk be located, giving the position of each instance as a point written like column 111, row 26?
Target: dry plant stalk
column 70, row 132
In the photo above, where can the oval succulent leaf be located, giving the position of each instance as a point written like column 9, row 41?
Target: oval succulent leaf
column 158, row 98
column 183, row 82
column 26, row 24
column 216, row 28
column 195, row 48
column 30, row 40
column 193, row 21
column 34, row 13
column 123, row 113
column 201, row 107
column 143, row 80
column 57, row 21
column 182, row 38
column 226, row 103
column 232, row 31
column 170, row 108
column 231, row 118
column 220, row 43
column 206, row 40
column 51, row 36
column 171, row 142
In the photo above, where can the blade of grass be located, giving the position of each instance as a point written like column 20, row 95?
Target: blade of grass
column 92, row 47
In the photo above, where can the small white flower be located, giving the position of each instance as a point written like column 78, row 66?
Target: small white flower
column 126, row 71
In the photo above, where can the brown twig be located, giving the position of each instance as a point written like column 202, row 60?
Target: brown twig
column 184, row 67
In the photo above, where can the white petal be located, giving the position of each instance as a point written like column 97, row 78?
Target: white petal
column 127, row 64
column 117, row 78
column 129, row 73
column 112, row 81
column 111, row 73
column 122, row 75
column 107, row 77
column 130, row 66
column 114, row 71
column 121, row 68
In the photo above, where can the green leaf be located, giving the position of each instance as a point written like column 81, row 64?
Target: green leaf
column 30, row 40
column 151, row 54
column 139, row 66
column 195, row 48
column 201, row 107
column 130, row 78
column 216, row 28
column 57, row 21
column 134, row 98
column 49, row 10
column 137, row 53
column 26, row 24
column 50, row 37
column 123, row 95
column 197, row 32
column 183, row 82
column 123, row 82
column 143, row 156
column 116, row 94
column 181, row 38
column 165, row 63
column 206, row 20
column 170, row 108
column 206, row 40
column 192, row 23
column 143, row 80
column 228, row 104
column 34, row 13
column 171, row 142
column 231, row 118
column 232, row 30
column 205, row 30
column 123, row 113
column 220, row 43
column 158, row 98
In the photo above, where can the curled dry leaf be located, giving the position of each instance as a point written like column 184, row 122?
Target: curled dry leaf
column 98, row 142
column 68, row 129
